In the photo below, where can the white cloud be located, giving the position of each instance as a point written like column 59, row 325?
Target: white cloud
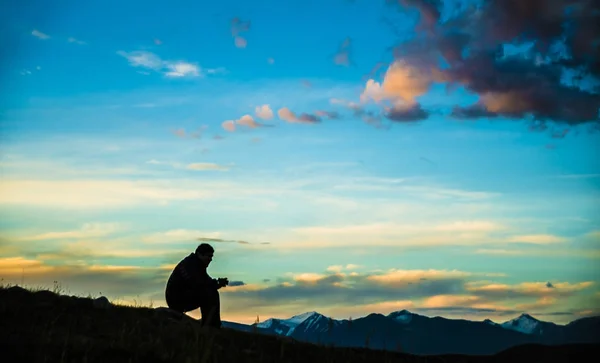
column 469, row 226
column 394, row 234
column 76, row 41
column 86, row 231
column 39, row 34
column 169, row 68
column 264, row 112
column 90, row 194
column 143, row 59
column 182, row 69
column 207, row 166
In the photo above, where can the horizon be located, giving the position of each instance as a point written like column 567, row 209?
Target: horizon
column 352, row 157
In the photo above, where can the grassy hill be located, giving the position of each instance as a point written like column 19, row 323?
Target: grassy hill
column 42, row 326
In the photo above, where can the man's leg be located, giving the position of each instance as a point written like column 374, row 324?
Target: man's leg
column 210, row 307
column 184, row 301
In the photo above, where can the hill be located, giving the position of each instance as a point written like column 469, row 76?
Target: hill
column 41, row 326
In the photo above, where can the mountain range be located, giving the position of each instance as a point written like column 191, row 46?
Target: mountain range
column 417, row 334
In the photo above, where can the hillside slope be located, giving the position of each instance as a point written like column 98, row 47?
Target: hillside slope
column 45, row 327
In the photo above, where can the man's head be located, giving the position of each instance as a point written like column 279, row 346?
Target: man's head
column 205, row 253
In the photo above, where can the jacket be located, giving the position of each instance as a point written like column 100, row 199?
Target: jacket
column 190, row 274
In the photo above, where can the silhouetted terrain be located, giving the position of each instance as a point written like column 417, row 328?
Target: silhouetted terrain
column 418, row 334
column 43, row 326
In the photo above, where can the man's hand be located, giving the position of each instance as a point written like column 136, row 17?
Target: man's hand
column 222, row 281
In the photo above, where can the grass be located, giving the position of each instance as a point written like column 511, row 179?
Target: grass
column 44, row 326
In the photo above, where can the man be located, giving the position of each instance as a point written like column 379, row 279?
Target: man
column 190, row 287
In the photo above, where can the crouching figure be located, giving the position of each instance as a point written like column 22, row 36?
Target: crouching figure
column 190, row 287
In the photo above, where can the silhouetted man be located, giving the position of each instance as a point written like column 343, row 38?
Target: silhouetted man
column 190, row 287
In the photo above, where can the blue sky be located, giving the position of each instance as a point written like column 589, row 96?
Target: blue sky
column 128, row 131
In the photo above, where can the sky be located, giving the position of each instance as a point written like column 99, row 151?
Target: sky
column 346, row 157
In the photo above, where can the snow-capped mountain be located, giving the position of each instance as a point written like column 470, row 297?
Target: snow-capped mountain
column 402, row 316
column 525, row 323
column 309, row 321
column 418, row 334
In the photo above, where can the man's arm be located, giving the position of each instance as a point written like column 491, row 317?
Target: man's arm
column 196, row 276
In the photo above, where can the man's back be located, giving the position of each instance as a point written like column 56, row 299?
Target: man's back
column 189, row 274
column 190, row 287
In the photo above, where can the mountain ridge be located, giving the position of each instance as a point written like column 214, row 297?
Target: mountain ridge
column 420, row 334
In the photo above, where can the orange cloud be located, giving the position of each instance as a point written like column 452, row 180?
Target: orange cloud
column 228, row 125
column 402, row 84
column 246, row 120
column 538, row 239
column 286, row 115
column 16, row 267
column 529, row 288
column 400, row 277
column 264, row 112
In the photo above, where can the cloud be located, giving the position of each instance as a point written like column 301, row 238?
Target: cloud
column 221, row 240
column 537, row 239
column 238, row 27
column 177, row 235
column 169, row 68
column 469, row 226
column 342, row 56
column 88, row 230
column 246, row 121
column 586, row 253
column 340, row 268
column 499, row 251
column 541, row 303
column 143, row 59
column 430, row 291
column 236, row 283
column 438, row 301
column 112, row 281
column 179, row 133
column 421, row 235
column 191, row 166
column 39, row 34
column 92, row 194
column 264, row 112
column 76, row 41
column 400, row 278
column 332, row 115
column 286, row 115
column 402, row 84
column 270, row 60
column 228, row 125
column 206, row 166
column 527, row 289
column 411, row 113
column 475, row 45
column 320, row 290
column 182, row 69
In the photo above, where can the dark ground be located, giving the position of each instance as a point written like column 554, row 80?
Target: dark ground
column 41, row 326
